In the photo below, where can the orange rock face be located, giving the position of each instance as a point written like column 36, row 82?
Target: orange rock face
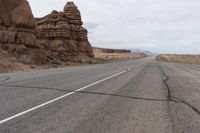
column 62, row 35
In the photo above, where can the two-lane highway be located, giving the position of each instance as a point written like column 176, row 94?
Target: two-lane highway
column 137, row 96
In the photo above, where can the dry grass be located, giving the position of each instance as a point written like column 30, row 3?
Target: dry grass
column 192, row 59
column 108, row 56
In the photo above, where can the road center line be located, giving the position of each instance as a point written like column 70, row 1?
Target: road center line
column 61, row 97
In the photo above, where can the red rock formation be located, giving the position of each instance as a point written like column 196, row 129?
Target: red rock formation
column 17, row 31
column 62, row 35
column 58, row 36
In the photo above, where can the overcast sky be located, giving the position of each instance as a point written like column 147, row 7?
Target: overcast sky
column 162, row 26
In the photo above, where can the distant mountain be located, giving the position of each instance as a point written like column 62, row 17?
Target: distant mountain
column 143, row 51
column 149, row 53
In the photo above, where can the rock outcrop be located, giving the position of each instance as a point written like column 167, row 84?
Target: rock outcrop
column 17, row 32
column 62, row 36
column 57, row 38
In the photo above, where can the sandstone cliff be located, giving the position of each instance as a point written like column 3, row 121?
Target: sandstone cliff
column 62, row 35
column 17, row 32
column 57, row 38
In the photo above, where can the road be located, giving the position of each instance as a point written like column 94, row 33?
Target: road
column 136, row 96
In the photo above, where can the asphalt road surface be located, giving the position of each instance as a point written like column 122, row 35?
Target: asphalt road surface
column 137, row 96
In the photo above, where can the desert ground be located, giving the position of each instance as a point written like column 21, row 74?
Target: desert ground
column 109, row 54
column 179, row 58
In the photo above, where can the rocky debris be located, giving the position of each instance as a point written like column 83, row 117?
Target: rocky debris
column 17, row 31
column 62, row 36
column 10, row 64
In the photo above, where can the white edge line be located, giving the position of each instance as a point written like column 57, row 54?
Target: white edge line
column 61, row 97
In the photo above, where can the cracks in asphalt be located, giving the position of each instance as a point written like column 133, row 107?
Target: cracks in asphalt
column 173, row 98
column 189, row 105
column 89, row 92
column 2, row 79
column 167, row 86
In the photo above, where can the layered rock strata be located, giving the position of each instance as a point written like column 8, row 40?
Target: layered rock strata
column 58, row 37
column 62, row 35
column 17, row 32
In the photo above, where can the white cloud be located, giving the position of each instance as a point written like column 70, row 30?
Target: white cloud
column 167, row 26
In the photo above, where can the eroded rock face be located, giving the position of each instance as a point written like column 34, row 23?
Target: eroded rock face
column 17, row 31
column 62, row 34
column 57, row 37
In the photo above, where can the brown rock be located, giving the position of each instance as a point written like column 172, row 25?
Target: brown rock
column 21, row 49
column 58, row 36
column 72, row 12
column 9, row 47
column 18, row 29
column 64, row 30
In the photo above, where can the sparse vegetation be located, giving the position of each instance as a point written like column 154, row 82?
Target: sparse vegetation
column 113, row 54
column 108, row 56
column 98, row 61
column 192, row 59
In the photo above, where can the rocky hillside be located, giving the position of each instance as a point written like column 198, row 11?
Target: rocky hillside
column 54, row 39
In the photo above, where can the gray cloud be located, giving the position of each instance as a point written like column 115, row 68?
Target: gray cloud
column 168, row 26
column 90, row 26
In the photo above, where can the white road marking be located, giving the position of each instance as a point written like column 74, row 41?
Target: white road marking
column 61, row 97
column 56, row 99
